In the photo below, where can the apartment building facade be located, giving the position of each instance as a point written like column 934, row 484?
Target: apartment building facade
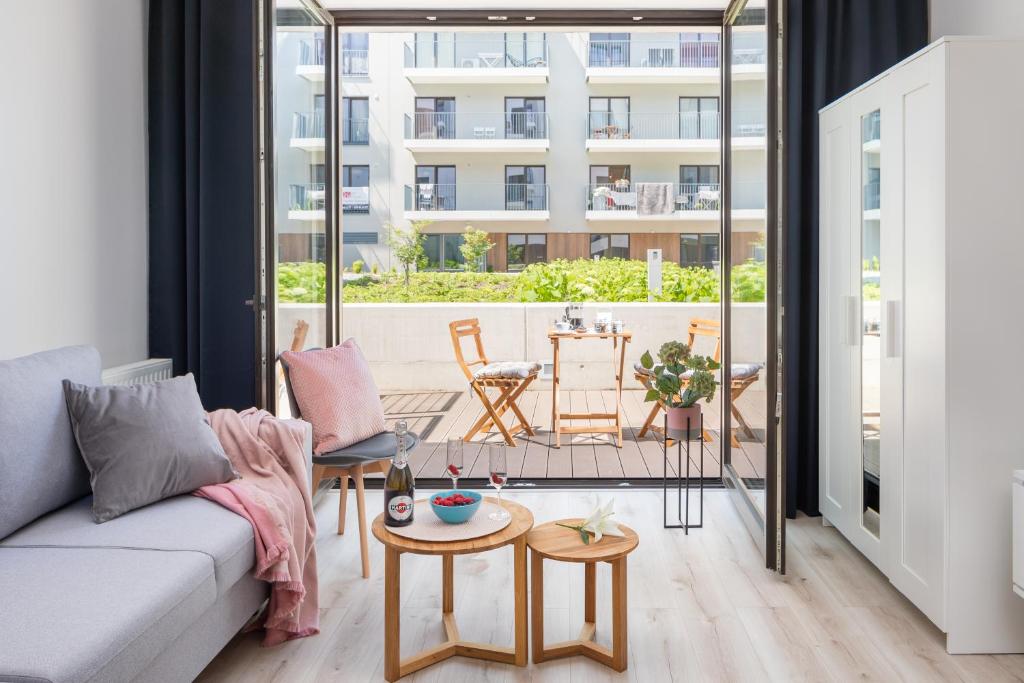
column 559, row 145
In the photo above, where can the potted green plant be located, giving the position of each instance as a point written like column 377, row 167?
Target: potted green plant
column 678, row 382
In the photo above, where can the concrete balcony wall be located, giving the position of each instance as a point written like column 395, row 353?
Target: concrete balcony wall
column 409, row 346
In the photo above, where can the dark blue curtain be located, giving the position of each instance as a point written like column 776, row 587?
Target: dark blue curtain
column 202, row 178
column 832, row 47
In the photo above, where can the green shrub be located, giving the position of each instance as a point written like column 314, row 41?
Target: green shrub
column 612, row 280
column 748, row 281
column 301, row 283
column 357, row 266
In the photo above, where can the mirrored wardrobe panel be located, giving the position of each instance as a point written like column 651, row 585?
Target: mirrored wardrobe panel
column 871, row 322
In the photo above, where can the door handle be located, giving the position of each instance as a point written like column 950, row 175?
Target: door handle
column 893, row 331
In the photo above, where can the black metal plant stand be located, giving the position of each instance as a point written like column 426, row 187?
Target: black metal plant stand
column 682, row 519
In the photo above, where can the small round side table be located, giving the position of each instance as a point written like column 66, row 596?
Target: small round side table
column 394, row 546
column 553, row 542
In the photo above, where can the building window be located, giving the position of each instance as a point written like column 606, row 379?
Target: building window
column 698, row 118
column 434, row 118
column 435, row 188
column 699, row 189
column 526, row 188
column 355, row 189
column 609, row 49
column 609, row 189
column 355, row 54
column 442, row 252
column 524, row 118
column 609, row 118
column 699, row 249
column 698, row 50
column 525, row 249
column 604, row 245
column 355, row 120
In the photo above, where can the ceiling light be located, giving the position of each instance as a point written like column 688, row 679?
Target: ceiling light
column 530, row 18
column 638, row 18
column 496, row 17
column 431, row 18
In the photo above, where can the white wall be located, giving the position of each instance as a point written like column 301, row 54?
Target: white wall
column 73, row 190
column 976, row 18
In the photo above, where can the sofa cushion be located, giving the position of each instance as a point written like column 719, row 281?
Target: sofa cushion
column 144, row 442
column 95, row 614
column 179, row 523
column 40, row 466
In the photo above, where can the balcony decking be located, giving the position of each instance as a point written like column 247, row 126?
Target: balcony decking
column 437, row 415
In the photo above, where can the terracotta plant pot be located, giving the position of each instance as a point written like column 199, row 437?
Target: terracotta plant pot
column 677, row 418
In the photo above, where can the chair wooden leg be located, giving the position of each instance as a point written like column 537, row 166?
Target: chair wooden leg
column 364, row 548
column 343, row 504
column 500, row 406
column 494, row 417
column 515, row 407
column 651, row 417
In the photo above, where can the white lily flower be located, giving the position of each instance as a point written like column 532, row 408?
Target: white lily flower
column 600, row 523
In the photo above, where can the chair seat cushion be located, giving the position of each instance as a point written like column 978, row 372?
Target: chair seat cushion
column 507, row 370
column 183, row 523
column 335, row 392
column 96, row 614
column 380, row 447
column 745, row 370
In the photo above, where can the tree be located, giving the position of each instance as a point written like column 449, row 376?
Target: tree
column 475, row 245
column 407, row 245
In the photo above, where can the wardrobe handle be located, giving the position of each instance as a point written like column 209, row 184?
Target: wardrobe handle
column 893, row 343
column 852, row 321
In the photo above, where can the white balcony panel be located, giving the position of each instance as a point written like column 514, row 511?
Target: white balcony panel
column 479, row 216
column 308, row 144
column 653, row 145
column 632, row 216
column 748, row 144
column 514, row 146
column 748, row 72
column 493, row 76
column 311, row 72
column 749, row 215
column 306, row 215
column 627, row 75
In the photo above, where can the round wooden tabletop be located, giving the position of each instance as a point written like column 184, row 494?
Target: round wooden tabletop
column 522, row 522
column 565, row 545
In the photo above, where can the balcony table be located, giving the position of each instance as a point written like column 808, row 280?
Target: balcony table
column 619, row 341
column 454, row 646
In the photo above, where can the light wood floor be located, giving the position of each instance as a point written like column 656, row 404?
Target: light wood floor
column 437, row 415
column 702, row 608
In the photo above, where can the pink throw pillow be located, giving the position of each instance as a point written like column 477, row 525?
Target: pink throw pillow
column 335, row 393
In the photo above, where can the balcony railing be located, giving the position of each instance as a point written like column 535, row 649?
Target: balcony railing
column 651, row 54
column 476, row 126
column 622, row 196
column 872, row 195
column 691, row 125
column 476, row 197
column 355, row 62
column 748, row 123
column 872, row 126
column 355, row 131
column 311, row 52
column 698, row 196
column 309, row 197
column 308, row 124
column 496, row 53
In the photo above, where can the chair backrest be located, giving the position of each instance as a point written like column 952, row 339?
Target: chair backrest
column 703, row 327
column 467, row 328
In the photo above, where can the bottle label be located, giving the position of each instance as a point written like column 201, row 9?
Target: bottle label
column 400, row 508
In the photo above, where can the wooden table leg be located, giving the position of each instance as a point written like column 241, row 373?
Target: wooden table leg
column 590, row 593
column 521, row 624
column 618, row 391
column 392, row 609
column 556, row 409
column 619, row 615
column 537, row 605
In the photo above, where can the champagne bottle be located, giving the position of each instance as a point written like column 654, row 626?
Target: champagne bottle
column 400, row 485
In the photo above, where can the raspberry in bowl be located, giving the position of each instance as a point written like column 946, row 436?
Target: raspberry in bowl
column 455, row 507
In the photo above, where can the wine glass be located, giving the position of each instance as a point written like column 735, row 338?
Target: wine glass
column 499, row 477
column 453, row 467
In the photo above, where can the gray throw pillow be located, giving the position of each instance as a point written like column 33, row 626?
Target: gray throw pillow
column 144, row 442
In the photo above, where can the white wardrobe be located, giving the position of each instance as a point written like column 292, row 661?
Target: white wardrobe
column 922, row 330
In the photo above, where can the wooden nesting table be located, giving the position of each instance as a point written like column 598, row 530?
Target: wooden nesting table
column 619, row 341
column 394, row 546
column 553, row 542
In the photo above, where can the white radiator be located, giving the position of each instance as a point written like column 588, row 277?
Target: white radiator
column 144, row 371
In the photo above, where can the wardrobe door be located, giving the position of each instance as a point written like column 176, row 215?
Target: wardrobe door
column 917, row 346
column 838, row 314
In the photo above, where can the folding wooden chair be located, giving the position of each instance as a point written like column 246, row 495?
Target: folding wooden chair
column 511, row 380
column 702, row 327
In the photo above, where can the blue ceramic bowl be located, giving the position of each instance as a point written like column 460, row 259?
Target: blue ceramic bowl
column 456, row 514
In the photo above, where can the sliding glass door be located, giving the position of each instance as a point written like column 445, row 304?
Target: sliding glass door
column 751, row 458
column 301, row 186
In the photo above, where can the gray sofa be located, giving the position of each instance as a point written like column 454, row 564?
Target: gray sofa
column 153, row 595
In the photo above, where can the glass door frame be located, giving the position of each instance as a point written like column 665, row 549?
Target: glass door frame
column 266, row 300
column 769, row 529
